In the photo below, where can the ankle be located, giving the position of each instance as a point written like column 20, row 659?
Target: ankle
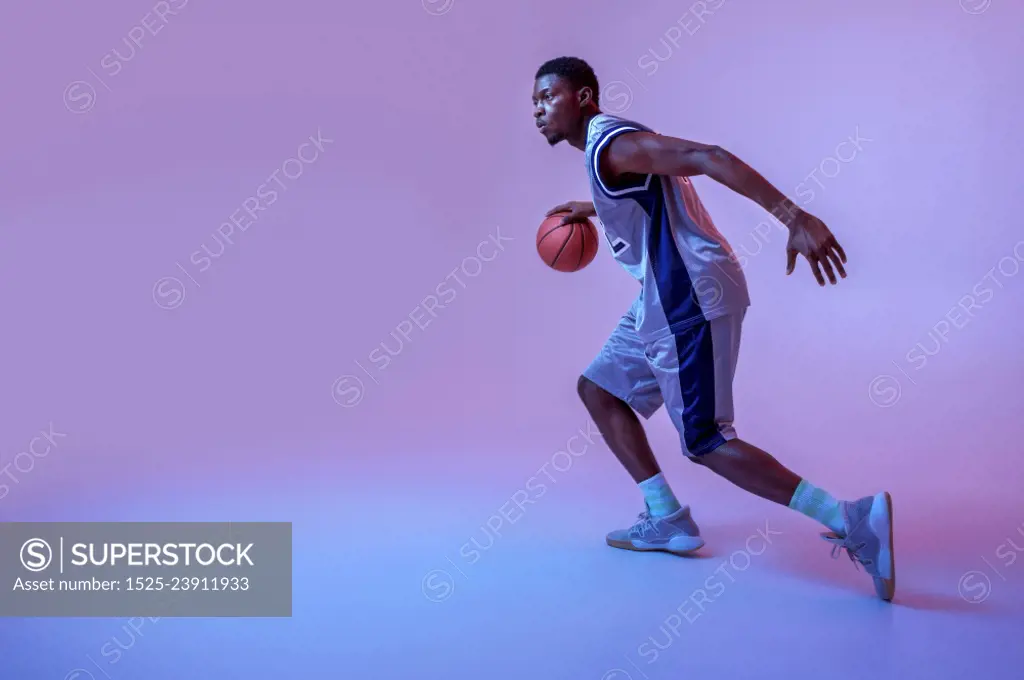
column 661, row 502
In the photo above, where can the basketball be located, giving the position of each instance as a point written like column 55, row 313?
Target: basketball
column 566, row 247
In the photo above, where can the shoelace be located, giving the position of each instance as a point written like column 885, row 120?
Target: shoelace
column 852, row 549
column 644, row 523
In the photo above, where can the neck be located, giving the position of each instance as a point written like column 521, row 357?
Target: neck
column 579, row 140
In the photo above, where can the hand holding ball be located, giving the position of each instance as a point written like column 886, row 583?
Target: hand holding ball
column 566, row 247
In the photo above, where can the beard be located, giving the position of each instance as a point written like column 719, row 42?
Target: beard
column 555, row 139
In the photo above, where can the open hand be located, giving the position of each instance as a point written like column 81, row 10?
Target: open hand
column 579, row 211
column 808, row 236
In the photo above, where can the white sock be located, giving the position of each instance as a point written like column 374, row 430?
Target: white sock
column 819, row 505
column 660, row 499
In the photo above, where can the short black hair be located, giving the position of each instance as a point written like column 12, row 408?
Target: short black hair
column 573, row 69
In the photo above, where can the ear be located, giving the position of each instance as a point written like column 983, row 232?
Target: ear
column 586, row 96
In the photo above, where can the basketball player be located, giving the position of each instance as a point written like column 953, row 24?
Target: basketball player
column 678, row 343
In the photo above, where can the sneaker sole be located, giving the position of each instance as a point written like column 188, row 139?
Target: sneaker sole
column 687, row 547
column 886, row 587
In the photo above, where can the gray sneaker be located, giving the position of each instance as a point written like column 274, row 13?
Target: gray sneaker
column 676, row 533
column 868, row 540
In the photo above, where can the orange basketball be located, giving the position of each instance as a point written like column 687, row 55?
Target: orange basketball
column 566, row 247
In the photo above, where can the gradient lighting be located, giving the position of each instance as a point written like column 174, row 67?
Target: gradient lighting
column 362, row 359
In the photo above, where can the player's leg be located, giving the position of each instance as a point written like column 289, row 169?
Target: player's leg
column 616, row 387
column 696, row 369
column 620, row 426
column 862, row 527
column 759, row 473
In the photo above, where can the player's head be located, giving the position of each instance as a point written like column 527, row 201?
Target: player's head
column 565, row 95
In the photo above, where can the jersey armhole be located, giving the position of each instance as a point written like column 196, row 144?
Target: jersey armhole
column 637, row 184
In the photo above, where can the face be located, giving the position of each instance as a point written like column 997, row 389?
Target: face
column 557, row 107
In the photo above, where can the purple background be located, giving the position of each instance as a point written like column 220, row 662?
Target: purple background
column 236, row 401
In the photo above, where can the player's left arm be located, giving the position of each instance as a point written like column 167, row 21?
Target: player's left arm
column 648, row 153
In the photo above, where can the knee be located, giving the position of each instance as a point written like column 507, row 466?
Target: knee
column 705, row 442
column 592, row 396
column 585, row 388
column 701, row 438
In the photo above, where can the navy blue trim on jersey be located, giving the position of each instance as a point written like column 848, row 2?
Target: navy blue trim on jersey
column 675, row 288
column 697, row 382
column 631, row 188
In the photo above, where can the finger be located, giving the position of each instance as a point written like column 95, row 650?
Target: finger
column 839, row 249
column 558, row 209
column 790, row 260
column 827, row 266
column 837, row 261
column 813, row 261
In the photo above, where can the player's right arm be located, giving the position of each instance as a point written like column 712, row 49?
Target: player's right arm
column 648, row 153
column 579, row 211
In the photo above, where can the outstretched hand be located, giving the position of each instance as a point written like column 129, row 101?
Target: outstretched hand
column 578, row 211
column 808, row 236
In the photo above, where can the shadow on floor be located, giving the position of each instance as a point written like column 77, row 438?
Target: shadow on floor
column 795, row 549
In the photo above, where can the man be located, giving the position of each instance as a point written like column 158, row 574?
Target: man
column 678, row 343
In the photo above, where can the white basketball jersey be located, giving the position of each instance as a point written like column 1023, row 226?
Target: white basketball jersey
column 658, row 230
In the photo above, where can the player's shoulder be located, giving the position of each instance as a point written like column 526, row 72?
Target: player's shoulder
column 603, row 125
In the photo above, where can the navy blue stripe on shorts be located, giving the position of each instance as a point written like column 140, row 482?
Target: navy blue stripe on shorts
column 690, row 372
